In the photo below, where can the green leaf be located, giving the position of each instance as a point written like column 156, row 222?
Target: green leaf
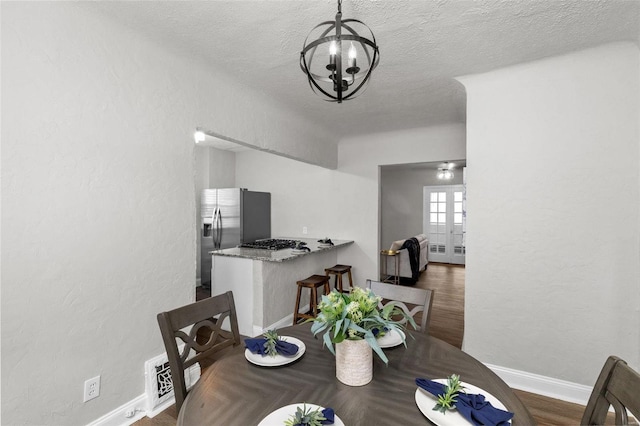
column 388, row 309
column 447, row 400
column 327, row 341
column 271, row 337
column 338, row 327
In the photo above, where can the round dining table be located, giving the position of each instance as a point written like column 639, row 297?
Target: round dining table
column 234, row 391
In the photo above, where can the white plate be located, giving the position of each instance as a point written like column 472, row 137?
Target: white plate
column 391, row 338
column 278, row 360
column 426, row 401
column 296, row 251
column 325, row 245
column 278, row 417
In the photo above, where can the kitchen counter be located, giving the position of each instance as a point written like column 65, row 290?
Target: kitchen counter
column 263, row 282
column 280, row 255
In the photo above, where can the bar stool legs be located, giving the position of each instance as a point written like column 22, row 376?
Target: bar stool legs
column 339, row 271
column 312, row 283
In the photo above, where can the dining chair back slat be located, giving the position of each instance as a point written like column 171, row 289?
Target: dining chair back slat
column 618, row 386
column 420, row 297
column 187, row 325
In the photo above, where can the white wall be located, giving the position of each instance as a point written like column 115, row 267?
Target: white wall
column 98, row 200
column 222, row 168
column 300, row 193
column 553, row 236
column 343, row 203
column 401, row 200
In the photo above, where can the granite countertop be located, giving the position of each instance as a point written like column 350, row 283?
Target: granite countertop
column 280, row 255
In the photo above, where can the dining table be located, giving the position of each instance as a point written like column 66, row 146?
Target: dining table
column 235, row 391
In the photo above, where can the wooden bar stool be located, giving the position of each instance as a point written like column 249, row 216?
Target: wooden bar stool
column 339, row 271
column 312, row 283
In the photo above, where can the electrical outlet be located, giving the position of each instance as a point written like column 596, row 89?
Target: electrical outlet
column 304, row 230
column 91, row 388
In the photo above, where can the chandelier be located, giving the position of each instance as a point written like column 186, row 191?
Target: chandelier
column 445, row 172
column 322, row 59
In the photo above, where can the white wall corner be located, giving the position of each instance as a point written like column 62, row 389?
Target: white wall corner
column 543, row 385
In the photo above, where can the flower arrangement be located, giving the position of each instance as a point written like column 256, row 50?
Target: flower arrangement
column 356, row 316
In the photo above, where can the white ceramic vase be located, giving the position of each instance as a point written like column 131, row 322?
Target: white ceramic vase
column 354, row 362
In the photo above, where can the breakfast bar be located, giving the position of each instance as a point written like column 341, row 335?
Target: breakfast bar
column 264, row 281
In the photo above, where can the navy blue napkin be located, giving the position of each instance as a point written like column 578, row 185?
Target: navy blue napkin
column 473, row 407
column 328, row 414
column 283, row 348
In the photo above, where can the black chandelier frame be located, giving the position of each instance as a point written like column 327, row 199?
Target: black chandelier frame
column 337, row 72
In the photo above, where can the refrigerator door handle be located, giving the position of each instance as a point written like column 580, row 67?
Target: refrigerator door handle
column 220, row 228
column 215, row 228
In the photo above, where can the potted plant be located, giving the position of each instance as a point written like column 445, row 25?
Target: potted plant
column 352, row 321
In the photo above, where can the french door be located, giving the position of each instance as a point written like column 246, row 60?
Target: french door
column 443, row 219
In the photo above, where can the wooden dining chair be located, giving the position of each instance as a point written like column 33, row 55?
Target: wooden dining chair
column 618, row 386
column 422, row 298
column 206, row 318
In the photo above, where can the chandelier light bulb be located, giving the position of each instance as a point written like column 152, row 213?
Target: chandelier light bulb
column 352, row 56
column 333, row 48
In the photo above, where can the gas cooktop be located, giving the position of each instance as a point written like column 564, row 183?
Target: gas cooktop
column 271, row 244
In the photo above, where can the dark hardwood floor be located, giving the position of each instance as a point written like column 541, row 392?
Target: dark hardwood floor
column 202, row 293
column 447, row 315
column 447, row 323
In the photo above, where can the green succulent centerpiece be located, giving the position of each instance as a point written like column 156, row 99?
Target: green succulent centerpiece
column 447, row 400
column 356, row 316
column 305, row 417
column 271, row 339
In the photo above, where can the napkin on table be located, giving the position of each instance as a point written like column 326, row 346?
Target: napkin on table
column 473, row 407
column 283, row 348
column 329, row 415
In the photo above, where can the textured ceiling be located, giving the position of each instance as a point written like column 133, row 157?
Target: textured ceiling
column 424, row 45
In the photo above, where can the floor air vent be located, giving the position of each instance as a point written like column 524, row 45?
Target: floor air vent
column 159, row 386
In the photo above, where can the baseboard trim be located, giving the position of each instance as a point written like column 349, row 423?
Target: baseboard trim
column 146, row 405
column 543, row 385
column 118, row 417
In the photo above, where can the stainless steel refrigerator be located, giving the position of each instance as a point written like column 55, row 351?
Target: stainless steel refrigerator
column 230, row 217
